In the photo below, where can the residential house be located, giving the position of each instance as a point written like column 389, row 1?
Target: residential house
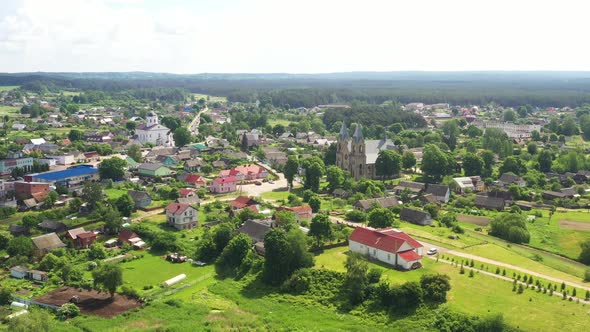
column 53, row 226
column 127, row 236
column 507, row 179
column 413, row 187
column 141, row 198
column 469, row 184
column 256, row 230
column 251, row 139
column 167, row 160
column 490, row 203
column 21, row 272
column 440, row 192
column 223, row 185
column 219, row 164
column 194, row 180
column 153, row 170
column 80, row 238
column 551, row 195
column 193, row 165
column 302, row 212
column 382, row 202
column 246, row 172
column 389, row 246
column 181, row 216
column 47, row 242
column 415, row 216
column 192, row 200
column 18, row 230
column 242, row 202
column 340, row 193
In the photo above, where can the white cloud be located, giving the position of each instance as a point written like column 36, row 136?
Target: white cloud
column 292, row 36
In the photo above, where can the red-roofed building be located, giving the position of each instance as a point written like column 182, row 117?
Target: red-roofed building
column 185, row 192
column 181, row 216
column 388, row 245
column 241, row 202
column 245, row 172
column 223, row 185
column 193, row 179
column 301, row 212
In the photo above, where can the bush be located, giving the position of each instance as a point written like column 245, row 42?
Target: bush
column 374, row 275
column 435, row 287
column 587, row 275
column 298, row 283
column 68, row 310
column 356, row 216
column 174, row 303
column 129, row 291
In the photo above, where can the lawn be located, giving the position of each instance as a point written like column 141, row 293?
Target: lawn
column 152, row 270
column 115, row 193
column 483, row 295
column 275, row 195
column 11, row 111
column 212, row 99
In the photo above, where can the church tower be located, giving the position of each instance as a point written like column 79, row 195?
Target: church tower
column 342, row 151
column 358, row 157
column 152, row 119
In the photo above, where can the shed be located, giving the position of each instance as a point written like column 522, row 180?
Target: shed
column 174, row 280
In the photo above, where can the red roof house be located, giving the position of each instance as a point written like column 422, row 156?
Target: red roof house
column 388, row 245
column 194, row 179
column 223, row 185
column 241, row 202
column 181, row 216
column 301, row 212
column 80, row 238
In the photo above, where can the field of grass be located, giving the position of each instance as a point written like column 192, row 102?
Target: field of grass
column 8, row 87
column 274, row 122
column 212, row 99
column 115, row 193
column 11, row 111
column 275, row 195
column 482, row 295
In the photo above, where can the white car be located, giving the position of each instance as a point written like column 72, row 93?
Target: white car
column 432, row 251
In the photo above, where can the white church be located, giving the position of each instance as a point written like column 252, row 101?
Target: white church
column 153, row 132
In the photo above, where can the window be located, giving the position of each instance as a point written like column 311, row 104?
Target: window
column 388, row 257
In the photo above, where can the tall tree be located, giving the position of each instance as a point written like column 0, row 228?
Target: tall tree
column 182, row 136
column 356, row 280
column 92, row 194
column 112, row 168
column 314, row 170
column 436, row 163
column 335, row 177
column 233, row 255
column 291, row 168
column 112, row 220
column 125, row 205
column 388, row 164
column 320, row 229
column 108, row 277
column 381, row 218
column 545, row 160
column 284, row 254
column 134, row 152
column 514, row 165
column 408, row 160
column 472, row 164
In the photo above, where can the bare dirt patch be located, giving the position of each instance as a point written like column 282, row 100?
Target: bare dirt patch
column 475, row 220
column 91, row 302
column 579, row 226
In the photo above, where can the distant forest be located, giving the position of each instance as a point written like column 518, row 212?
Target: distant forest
column 305, row 90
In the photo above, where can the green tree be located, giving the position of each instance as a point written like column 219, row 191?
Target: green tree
column 509, row 116
column 532, row 148
column 286, row 219
column 76, row 135
column 435, row 287
column 233, row 255
column 221, row 237
column 125, row 205
column 472, row 164
column 5, row 296
column 108, row 277
column 92, row 194
column 335, row 177
column 320, row 229
column 473, row 131
column 284, row 254
column 381, row 218
column 388, row 164
column 134, row 152
column 545, row 160
column 112, row 220
column 20, row 246
column 585, row 126
column 182, row 136
column 585, row 253
column 510, row 227
column 35, row 320
column 513, row 164
column 51, row 198
column 97, row 252
column 30, row 220
column 314, row 170
column 315, row 203
column 356, row 280
column 408, row 160
column 291, row 168
column 436, row 163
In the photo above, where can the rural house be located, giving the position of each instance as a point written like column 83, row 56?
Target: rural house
column 181, row 216
column 490, row 203
column 388, row 245
column 440, row 192
column 384, row 202
column 153, row 170
column 80, row 238
column 415, row 216
column 302, row 212
column 507, row 179
column 47, row 242
column 140, row 198
column 223, row 185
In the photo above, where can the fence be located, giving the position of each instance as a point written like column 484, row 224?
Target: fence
column 31, row 302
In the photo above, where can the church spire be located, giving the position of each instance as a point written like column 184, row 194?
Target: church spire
column 343, row 132
column 358, row 133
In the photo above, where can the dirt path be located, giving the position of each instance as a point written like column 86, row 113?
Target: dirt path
column 555, row 293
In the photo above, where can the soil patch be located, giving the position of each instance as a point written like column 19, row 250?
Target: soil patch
column 579, row 226
column 475, row 220
column 91, row 302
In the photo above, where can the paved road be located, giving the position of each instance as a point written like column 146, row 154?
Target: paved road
column 254, row 190
column 194, row 125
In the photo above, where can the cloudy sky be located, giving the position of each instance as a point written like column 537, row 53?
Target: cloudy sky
column 302, row 36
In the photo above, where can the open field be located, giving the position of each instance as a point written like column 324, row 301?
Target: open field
column 482, row 295
column 9, row 111
column 212, row 99
column 475, row 220
column 91, row 302
column 8, row 87
column 576, row 225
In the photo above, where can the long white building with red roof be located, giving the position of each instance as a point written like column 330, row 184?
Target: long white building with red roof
column 388, row 245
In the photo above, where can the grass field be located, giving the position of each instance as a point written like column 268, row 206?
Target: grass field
column 275, row 195
column 115, row 193
column 11, row 111
column 482, row 295
column 274, row 122
column 212, row 99
column 8, row 87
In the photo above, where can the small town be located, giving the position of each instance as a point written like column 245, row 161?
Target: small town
column 346, row 201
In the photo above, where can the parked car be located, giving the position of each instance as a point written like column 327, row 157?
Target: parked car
column 432, row 251
column 258, row 183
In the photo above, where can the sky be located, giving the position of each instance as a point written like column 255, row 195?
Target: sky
column 292, row 36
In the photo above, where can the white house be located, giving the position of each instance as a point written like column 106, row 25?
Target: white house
column 389, row 245
column 181, row 216
column 153, row 132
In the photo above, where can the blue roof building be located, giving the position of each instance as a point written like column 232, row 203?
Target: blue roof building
column 71, row 177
